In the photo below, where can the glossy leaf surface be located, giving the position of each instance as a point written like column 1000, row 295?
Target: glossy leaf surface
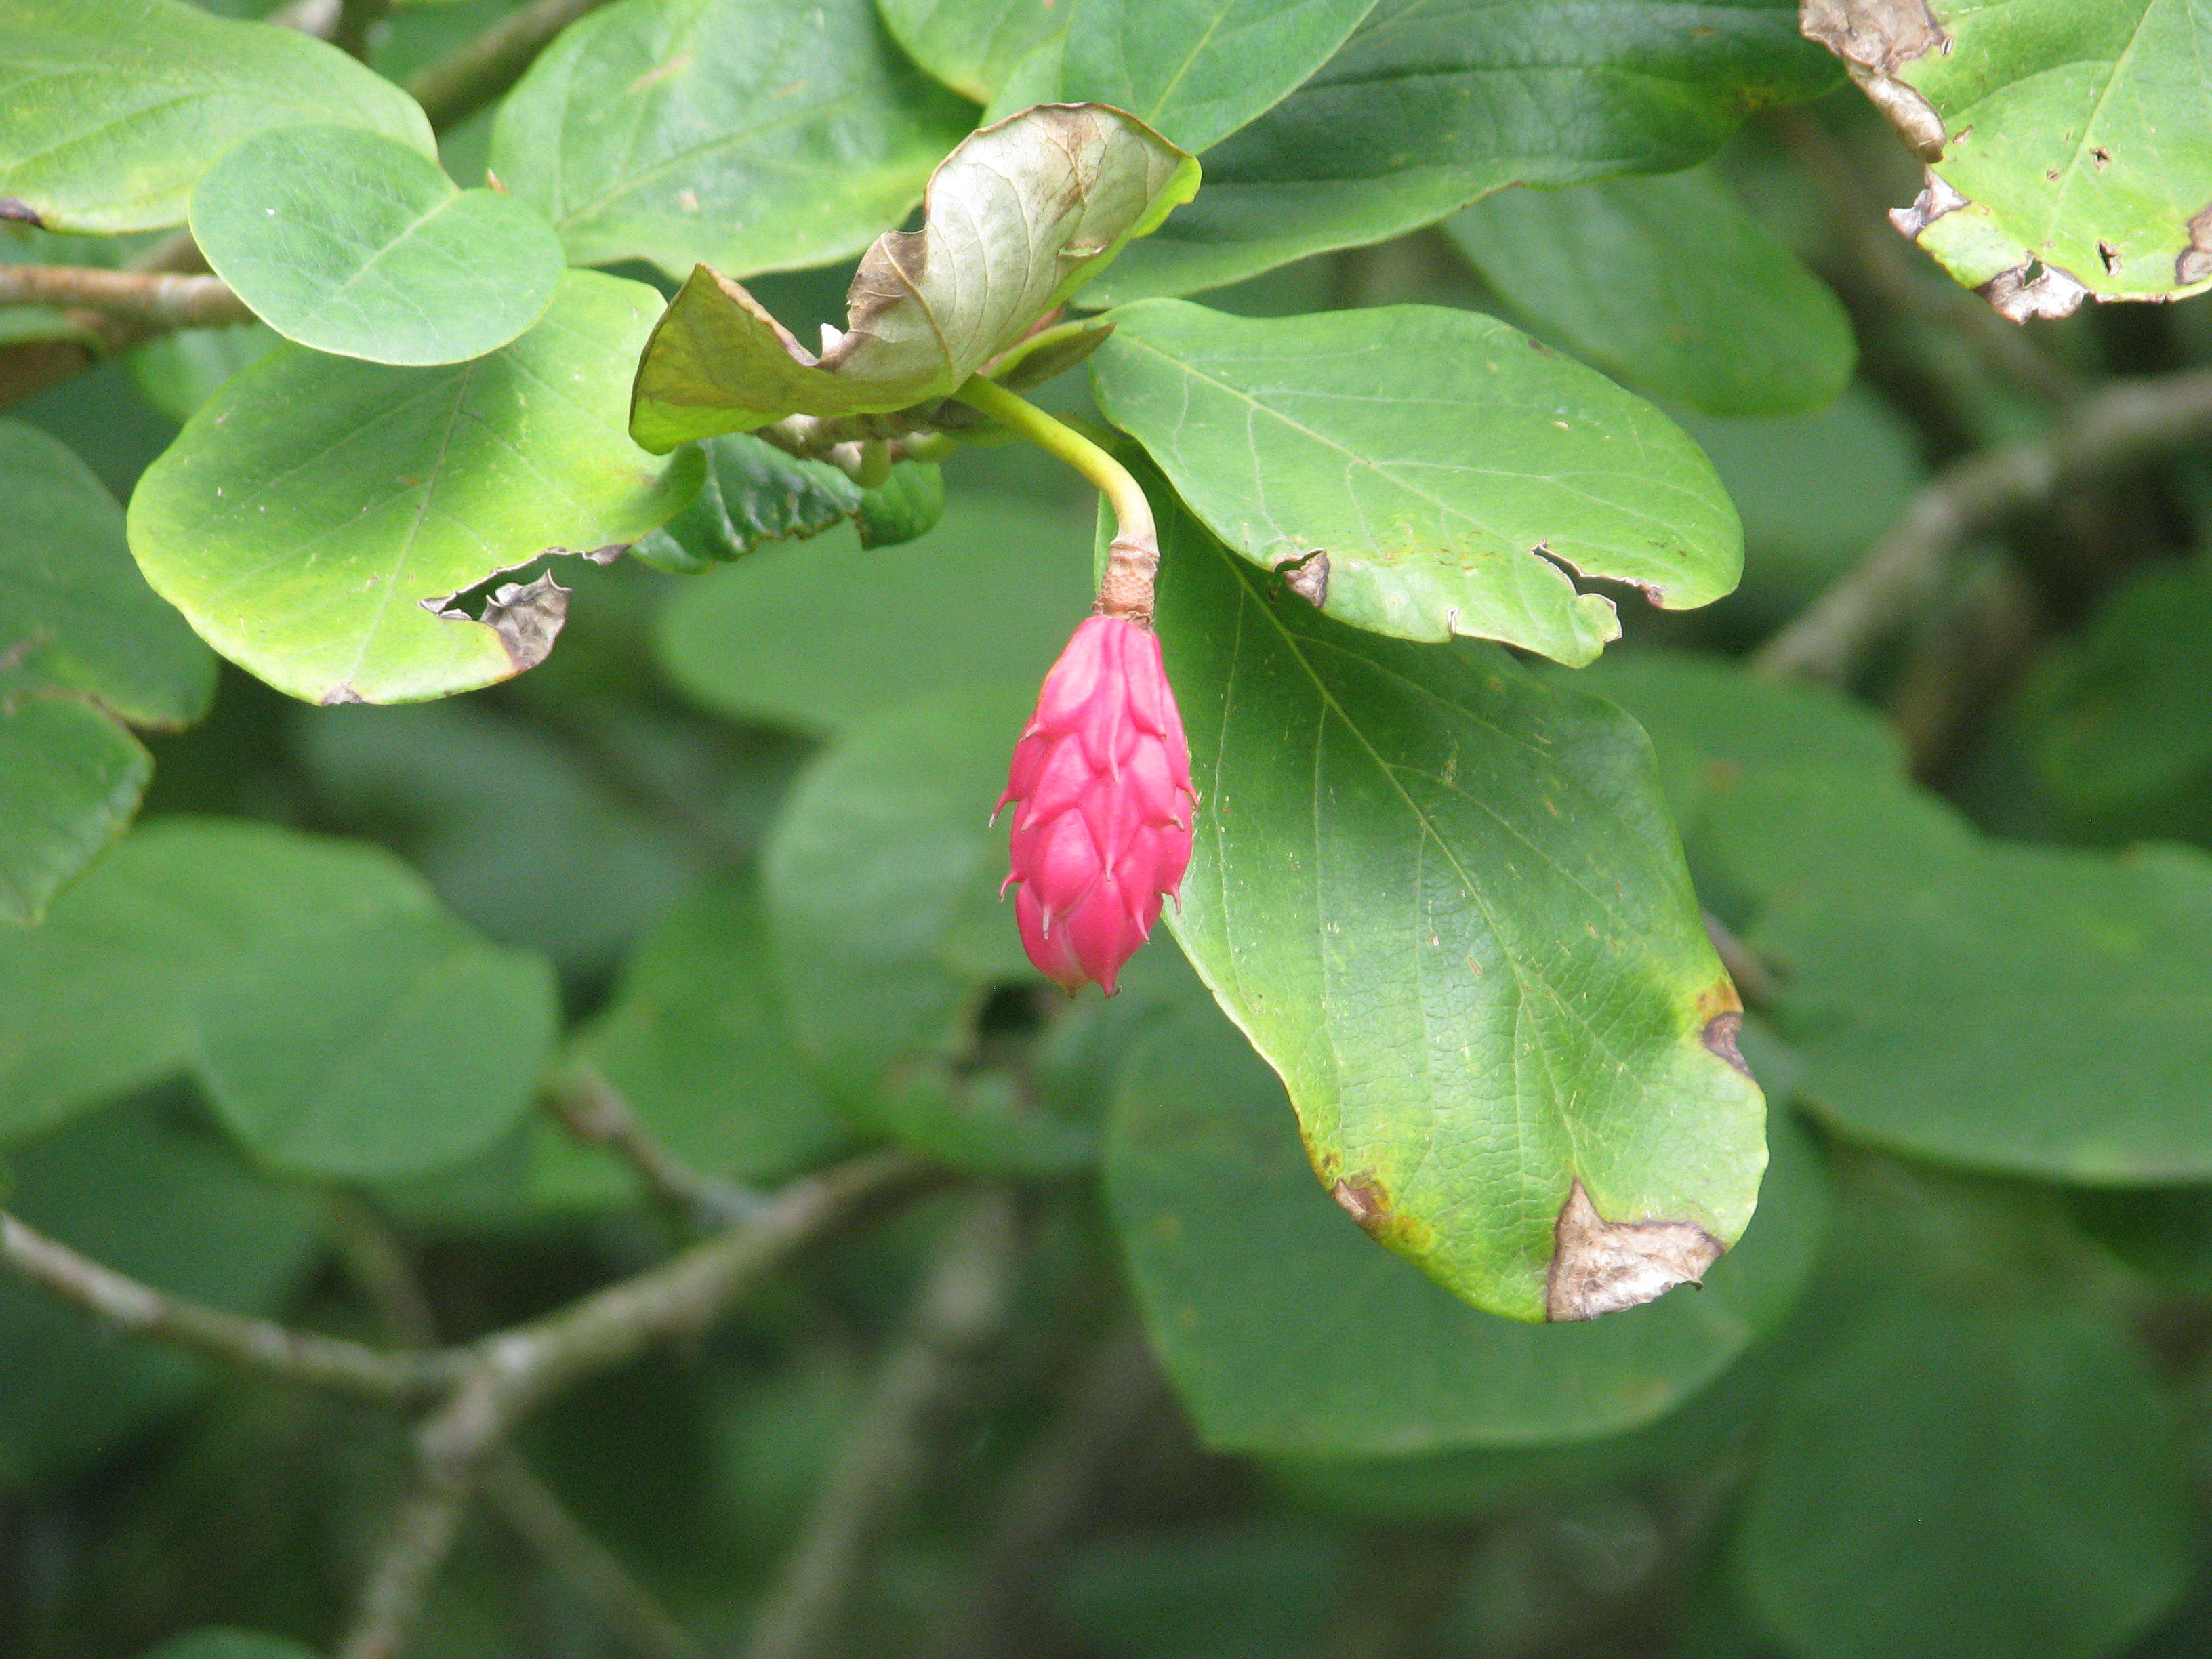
column 320, row 513
column 111, row 109
column 1426, row 472
column 1433, row 104
column 1669, row 286
column 1018, row 218
column 353, row 244
column 1459, row 927
column 1287, row 1333
column 644, row 133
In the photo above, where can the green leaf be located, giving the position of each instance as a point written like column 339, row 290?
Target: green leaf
column 989, row 597
column 1196, row 70
column 2123, row 719
column 111, row 109
column 342, row 1022
column 89, row 648
column 1433, row 104
column 1016, row 220
column 179, row 371
column 140, row 1190
column 751, row 134
column 1962, row 1482
column 1427, row 471
column 319, row 517
column 972, row 45
column 230, row 1644
column 2070, row 147
column 2025, row 1009
column 1287, row 1334
column 695, row 1041
column 882, row 875
column 351, row 243
column 1446, row 903
column 1669, row 286
column 409, row 1046
column 756, row 494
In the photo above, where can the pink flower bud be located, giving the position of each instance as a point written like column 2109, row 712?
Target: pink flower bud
column 1102, row 825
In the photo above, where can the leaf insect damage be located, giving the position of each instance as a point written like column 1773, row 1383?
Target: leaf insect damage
column 1600, row 1267
column 1876, row 38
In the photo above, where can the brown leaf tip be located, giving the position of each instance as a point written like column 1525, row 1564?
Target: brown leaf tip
column 1876, row 38
column 1363, row 1200
column 1600, row 1267
column 1721, row 1033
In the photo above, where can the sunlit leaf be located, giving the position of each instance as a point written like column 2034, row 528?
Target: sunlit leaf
column 111, row 109
column 1424, row 472
column 353, row 244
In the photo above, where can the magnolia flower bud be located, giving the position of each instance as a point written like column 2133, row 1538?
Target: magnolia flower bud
column 1101, row 780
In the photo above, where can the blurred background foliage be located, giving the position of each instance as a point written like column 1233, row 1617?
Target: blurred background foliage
column 1923, row 1412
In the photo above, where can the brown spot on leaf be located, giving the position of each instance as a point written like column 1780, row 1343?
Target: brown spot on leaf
column 15, row 211
column 2195, row 264
column 2109, row 254
column 1601, row 1266
column 1936, row 198
column 1721, row 1033
column 1308, row 577
column 340, row 695
column 2031, row 288
column 527, row 617
column 1876, row 38
column 2102, row 156
column 1364, row 1201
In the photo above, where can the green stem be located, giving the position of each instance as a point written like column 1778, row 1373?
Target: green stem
column 1133, row 514
column 1127, row 589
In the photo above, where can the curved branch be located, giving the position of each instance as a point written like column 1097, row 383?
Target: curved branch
column 250, row 1345
column 2130, row 422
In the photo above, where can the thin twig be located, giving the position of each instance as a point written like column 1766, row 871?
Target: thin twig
column 1052, row 1492
column 594, row 1111
column 960, row 1309
column 250, row 1345
column 514, row 1371
column 589, row 1569
column 154, row 299
column 462, row 83
column 2131, row 421
column 379, row 1265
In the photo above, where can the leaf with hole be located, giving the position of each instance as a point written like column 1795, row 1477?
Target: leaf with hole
column 1433, row 104
column 1669, row 286
column 1446, row 903
column 1287, row 1333
column 2068, row 147
column 86, row 651
column 1422, row 473
column 750, row 135
column 110, row 110
column 1017, row 219
column 320, row 518
column 355, row 245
